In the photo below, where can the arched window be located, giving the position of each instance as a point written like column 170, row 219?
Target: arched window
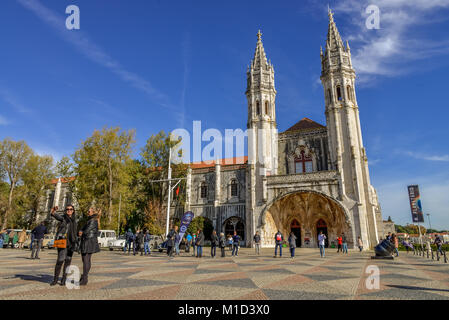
column 257, row 108
column 339, row 93
column 266, row 107
column 234, row 224
column 348, row 89
column 303, row 163
column 234, row 188
column 203, row 190
column 329, row 95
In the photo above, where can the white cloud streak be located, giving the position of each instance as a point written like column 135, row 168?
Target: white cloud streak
column 93, row 52
column 424, row 156
column 388, row 51
column 3, row 121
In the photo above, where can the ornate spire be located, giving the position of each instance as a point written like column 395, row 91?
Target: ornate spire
column 260, row 59
column 333, row 36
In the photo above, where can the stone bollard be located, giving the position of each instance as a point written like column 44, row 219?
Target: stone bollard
column 438, row 255
column 432, row 256
column 445, row 259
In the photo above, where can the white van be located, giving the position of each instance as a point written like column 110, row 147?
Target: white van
column 104, row 236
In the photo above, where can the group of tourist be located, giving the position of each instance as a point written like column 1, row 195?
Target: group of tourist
column 140, row 242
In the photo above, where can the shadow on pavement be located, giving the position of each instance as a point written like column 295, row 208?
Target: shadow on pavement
column 415, row 288
column 45, row 278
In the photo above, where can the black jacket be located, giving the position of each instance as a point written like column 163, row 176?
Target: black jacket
column 171, row 238
column 66, row 229
column 257, row 238
column 214, row 240
column 89, row 238
column 292, row 241
column 139, row 238
column 39, row 232
column 222, row 242
column 200, row 239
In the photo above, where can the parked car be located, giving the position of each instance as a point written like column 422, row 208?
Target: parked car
column 104, row 236
column 118, row 243
column 48, row 240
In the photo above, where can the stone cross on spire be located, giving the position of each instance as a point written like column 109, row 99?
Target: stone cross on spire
column 259, row 36
column 260, row 58
column 333, row 36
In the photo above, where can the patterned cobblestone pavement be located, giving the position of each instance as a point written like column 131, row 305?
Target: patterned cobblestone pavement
column 115, row 275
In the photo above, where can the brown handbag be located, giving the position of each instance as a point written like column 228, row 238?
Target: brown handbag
column 61, row 243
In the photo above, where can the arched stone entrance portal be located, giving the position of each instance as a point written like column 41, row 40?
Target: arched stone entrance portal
column 313, row 211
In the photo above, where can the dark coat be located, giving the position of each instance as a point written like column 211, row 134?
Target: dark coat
column 66, row 229
column 129, row 236
column 171, row 238
column 200, row 239
column 292, row 241
column 89, row 238
column 214, row 240
column 140, row 238
column 39, row 232
column 257, row 238
column 222, row 242
column 236, row 240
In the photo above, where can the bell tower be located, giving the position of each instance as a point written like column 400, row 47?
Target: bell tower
column 347, row 153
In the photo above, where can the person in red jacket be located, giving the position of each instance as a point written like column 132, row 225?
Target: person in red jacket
column 340, row 242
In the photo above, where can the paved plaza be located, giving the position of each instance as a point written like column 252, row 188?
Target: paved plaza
column 115, row 275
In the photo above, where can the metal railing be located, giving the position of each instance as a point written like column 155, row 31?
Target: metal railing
column 420, row 250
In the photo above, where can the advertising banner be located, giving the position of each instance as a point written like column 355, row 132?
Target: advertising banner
column 185, row 221
column 415, row 204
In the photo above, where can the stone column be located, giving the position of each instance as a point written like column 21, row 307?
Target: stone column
column 188, row 188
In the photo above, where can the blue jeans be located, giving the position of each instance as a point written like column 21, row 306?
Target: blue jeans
column 235, row 248
column 276, row 250
column 177, row 248
column 322, row 250
column 397, row 252
column 292, row 252
column 199, row 251
column 146, row 248
column 345, row 247
column 1, row 243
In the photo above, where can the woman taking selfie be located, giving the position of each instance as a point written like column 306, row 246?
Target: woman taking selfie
column 65, row 241
column 89, row 243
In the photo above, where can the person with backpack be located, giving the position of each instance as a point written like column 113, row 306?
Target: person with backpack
column 146, row 243
column 257, row 242
column 278, row 239
column 292, row 244
column 200, row 243
column 321, row 243
column 222, row 244
column 235, row 244
column 129, row 239
column 188, row 242
column 214, row 244
column 230, row 242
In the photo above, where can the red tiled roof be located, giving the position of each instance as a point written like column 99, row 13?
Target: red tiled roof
column 223, row 162
column 305, row 124
column 63, row 180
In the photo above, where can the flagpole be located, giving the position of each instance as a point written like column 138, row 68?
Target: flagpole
column 169, row 192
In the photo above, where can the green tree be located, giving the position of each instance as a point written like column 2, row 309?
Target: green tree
column 36, row 177
column 13, row 158
column 203, row 224
column 100, row 166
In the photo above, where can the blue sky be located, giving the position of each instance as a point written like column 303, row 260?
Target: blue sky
column 159, row 65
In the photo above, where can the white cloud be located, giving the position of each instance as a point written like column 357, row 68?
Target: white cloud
column 93, row 52
column 7, row 96
column 3, row 121
column 424, row 156
column 388, row 51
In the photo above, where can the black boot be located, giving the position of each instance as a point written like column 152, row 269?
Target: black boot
column 64, row 272
column 84, row 279
column 57, row 272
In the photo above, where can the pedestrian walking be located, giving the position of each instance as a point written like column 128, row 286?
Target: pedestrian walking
column 129, row 239
column 171, row 240
column 344, row 243
column 37, row 235
column 394, row 240
column 322, row 243
column 214, row 244
column 11, row 236
column 292, row 244
column 339, row 244
column 89, row 242
column 22, row 238
column 388, row 237
column 140, row 242
column 222, row 244
column 66, row 231
column 188, row 242
column 257, row 242
column 439, row 243
column 194, row 244
column 278, row 240
column 177, row 242
column 360, row 243
column 199, row 243
column 146, row 242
